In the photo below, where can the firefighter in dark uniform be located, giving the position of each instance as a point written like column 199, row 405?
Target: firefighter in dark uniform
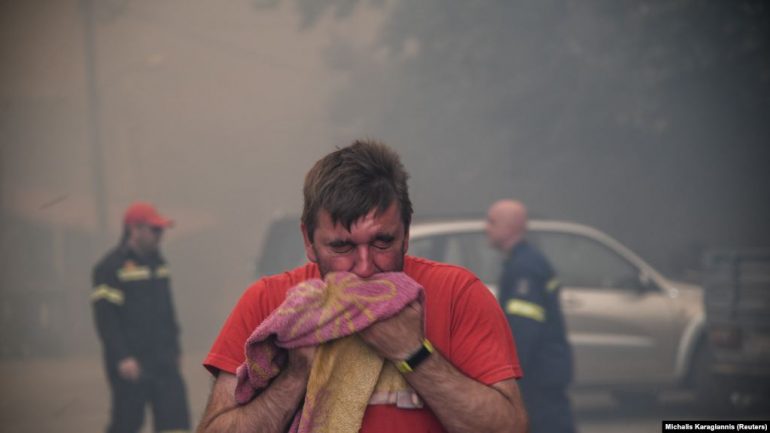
column 528, row 292
column 135, row 320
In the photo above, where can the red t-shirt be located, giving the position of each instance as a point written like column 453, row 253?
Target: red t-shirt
column 462, row 319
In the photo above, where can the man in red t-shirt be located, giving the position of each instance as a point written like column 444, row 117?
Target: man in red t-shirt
column 455, row 349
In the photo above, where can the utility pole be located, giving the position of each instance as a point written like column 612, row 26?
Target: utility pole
column 94, row 122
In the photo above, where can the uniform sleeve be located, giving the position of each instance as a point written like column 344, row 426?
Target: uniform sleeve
column 523, row 298
column 482, row 346
column 107, row 299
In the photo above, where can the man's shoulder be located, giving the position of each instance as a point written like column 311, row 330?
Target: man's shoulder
column 531, row 252
column 424, row 270
column 111, row 260
column 531, row 258
column 414, row 264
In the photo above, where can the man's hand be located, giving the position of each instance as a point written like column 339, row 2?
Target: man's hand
column 271, row 410
column 396, row 338
column 129, row 369
column 461, row 404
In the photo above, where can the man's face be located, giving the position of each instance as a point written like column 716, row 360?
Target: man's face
column 498, row 231
column 374, row 244
column 146, row 238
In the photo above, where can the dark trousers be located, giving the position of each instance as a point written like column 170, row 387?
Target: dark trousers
column 548, row 408
column 160, row 387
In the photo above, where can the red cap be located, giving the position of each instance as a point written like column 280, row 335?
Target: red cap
column 145, row 213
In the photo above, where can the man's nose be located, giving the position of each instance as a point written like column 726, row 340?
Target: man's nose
column 364, row 267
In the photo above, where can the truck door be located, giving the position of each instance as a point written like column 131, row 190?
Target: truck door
column 620, row 329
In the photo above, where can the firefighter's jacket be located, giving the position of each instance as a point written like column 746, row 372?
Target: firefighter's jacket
column 133, row 308
column 529, row 296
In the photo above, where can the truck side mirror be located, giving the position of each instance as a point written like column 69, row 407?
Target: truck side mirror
column 647, row 283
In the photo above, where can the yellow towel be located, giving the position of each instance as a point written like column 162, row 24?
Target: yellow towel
column 344, row 376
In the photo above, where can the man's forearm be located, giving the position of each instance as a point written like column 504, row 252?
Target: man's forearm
column 464, row 405
column 270, row 412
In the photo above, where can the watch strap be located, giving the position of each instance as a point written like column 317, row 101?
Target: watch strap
column 408, row 365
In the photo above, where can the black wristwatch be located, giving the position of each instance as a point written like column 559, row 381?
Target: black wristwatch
column 409, row 364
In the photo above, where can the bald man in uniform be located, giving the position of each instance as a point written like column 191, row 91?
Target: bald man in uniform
column 529, row 294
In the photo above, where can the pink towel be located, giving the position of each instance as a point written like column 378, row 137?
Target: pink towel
column 315, row 312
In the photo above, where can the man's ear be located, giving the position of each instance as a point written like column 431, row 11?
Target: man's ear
column 309, row 250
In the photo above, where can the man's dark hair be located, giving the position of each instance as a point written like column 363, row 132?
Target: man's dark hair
column 350, row 182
